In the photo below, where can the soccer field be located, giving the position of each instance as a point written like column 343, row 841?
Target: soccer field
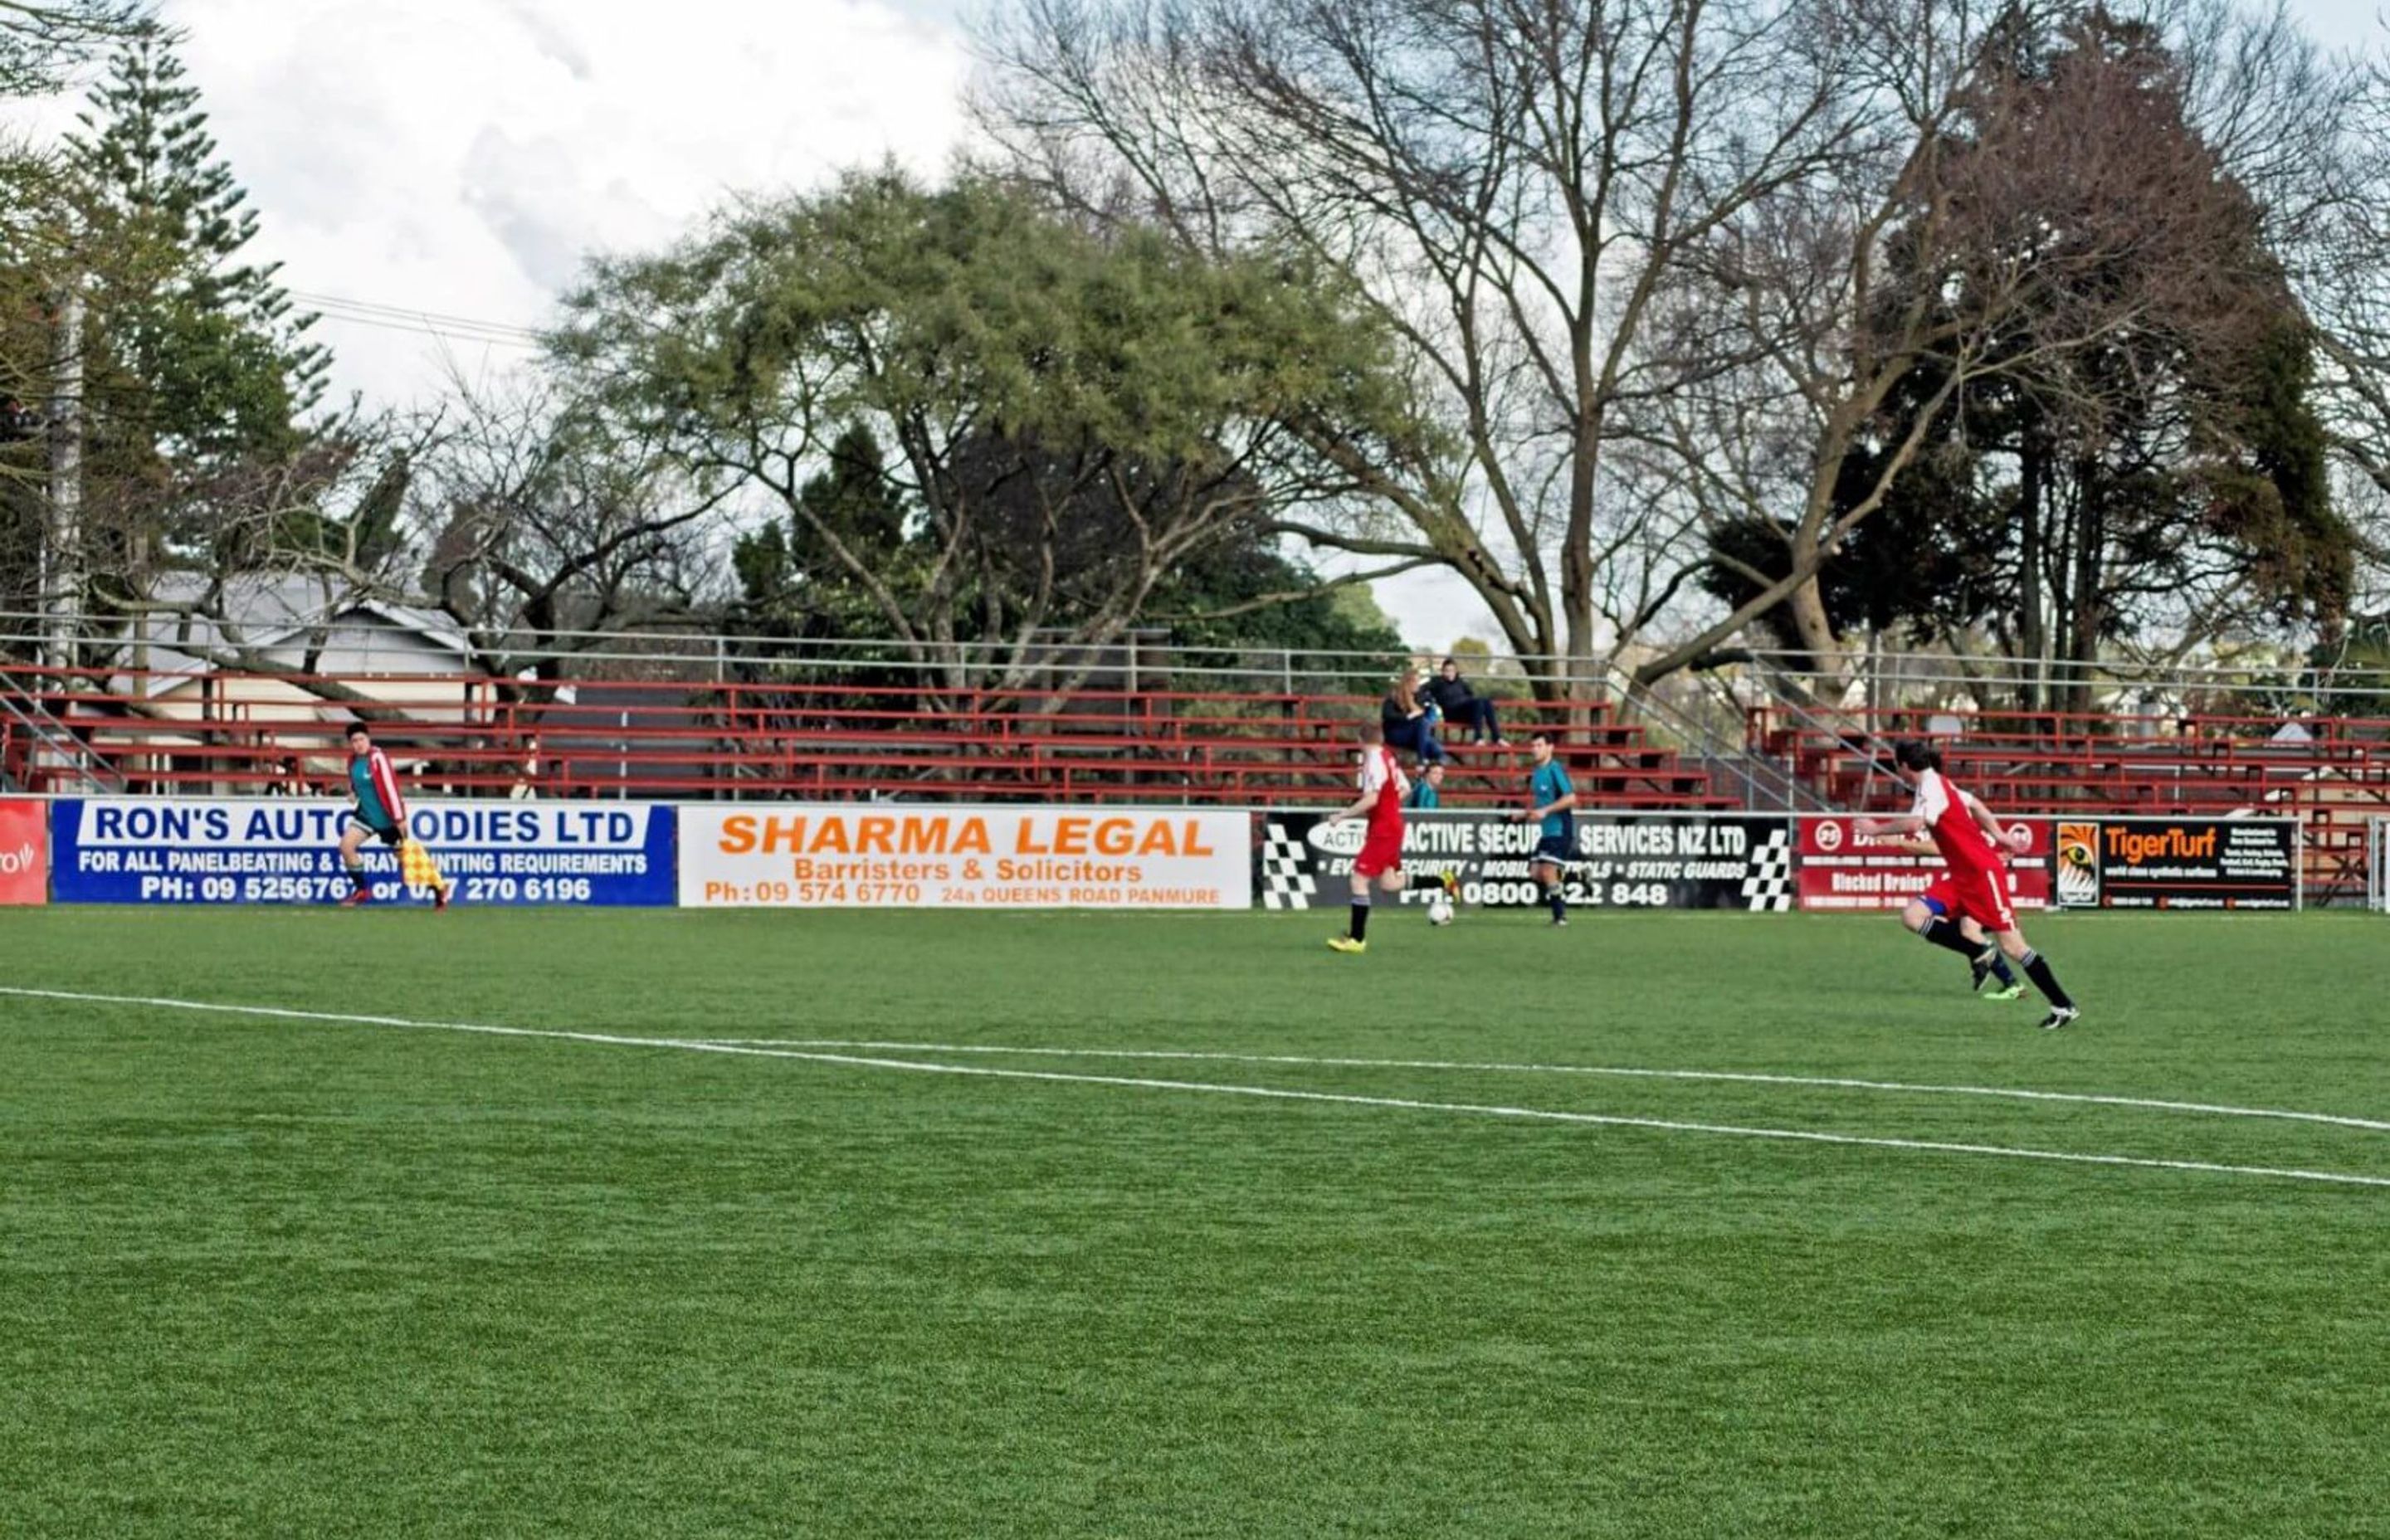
column 1459, row 1275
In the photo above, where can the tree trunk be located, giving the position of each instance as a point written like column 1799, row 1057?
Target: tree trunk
column 1816, row 629
column 2033, row 471
column 2084, row 599
column 63, row 574
column 1581, row 681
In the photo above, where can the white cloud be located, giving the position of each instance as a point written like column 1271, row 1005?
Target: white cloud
column 462, row 156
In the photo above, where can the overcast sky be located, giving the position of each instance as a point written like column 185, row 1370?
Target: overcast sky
column 459, row 157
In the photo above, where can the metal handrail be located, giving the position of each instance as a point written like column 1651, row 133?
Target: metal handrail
column 87, row 767
column 1735, row 759
column 1930, row 677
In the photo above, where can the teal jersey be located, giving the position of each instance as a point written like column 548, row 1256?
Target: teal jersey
column 1550, row 784
column 376, row 788
column 1423, row 796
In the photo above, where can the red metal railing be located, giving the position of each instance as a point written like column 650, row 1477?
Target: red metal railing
column 2332, row 773
column 228, row 733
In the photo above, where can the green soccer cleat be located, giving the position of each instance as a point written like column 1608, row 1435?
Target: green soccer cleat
column 2009, row 992
column 1347, row 943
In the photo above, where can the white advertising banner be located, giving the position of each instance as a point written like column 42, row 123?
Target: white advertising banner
column 863, row 855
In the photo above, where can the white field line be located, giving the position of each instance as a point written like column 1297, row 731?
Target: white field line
column 1600, row 1120
column 1730, row 1076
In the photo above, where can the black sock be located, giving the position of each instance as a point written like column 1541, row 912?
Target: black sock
column 1425, row 880
column 357, row 876
column 2036, row 968
column 1360, row 930
column 1941, row 932
column 2000, row 970
column 1557, row 895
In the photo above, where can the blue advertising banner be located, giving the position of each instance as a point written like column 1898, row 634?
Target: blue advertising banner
column 183, row 850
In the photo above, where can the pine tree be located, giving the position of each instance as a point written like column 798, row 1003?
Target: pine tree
column 215, row 364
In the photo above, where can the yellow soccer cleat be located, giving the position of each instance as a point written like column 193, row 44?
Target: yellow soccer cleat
column 1347, row 943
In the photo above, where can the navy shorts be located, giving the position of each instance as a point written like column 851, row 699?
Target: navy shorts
column 1557, row 850
column 387, row 835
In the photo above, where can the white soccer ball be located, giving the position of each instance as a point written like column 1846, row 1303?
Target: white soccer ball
column 1439, row 909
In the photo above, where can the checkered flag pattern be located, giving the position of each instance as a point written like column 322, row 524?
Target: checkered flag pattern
column 1286, row 870
column 415, row 867
column 1769, row 884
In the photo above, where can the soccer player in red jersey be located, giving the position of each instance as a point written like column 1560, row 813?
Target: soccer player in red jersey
column 1940, row 900
column 1978, row 887
column 1381, row 861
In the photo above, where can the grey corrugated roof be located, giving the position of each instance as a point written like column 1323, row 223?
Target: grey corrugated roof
column 273, row 610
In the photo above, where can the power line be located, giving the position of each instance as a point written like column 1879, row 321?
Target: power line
column 523, row 344
column 410, row 313
column 364, row 312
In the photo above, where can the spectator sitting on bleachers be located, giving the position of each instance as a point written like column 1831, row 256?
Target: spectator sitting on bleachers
column 285, row 781
column 1406, row 721
column 1427, row 792
column 1462, row 706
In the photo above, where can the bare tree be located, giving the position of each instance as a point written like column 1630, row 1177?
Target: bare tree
column 1519, row 187
column 2066, row 239
column 1664, row 267
column 2339, row 259
column 540, row 527
column 42, row 42
column 302, row 538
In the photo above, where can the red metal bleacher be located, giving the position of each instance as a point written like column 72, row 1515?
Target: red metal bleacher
column 808, row 739
column 2332, row 773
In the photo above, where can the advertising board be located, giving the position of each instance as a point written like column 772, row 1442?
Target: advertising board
column 24, row 852
column 1842, row 870
column 1624, row 861
column 172, row 850
column 850, row 855
column 2179, row 863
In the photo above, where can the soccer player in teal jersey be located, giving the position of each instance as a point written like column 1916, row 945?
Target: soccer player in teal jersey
column 1554, row 801
column 380, row 813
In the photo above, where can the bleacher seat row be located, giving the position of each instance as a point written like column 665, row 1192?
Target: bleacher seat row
column 227, row 734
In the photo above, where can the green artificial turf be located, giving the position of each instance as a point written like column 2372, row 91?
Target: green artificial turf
column 285, row 1277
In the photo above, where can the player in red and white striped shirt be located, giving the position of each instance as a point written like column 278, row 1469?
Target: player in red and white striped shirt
column 1977, row 880
column 380, row 814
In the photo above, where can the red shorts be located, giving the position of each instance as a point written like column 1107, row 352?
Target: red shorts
column 1983, row 897
column 1382, row 852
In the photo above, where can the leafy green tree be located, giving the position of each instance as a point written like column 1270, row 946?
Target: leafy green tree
column 209, row 360
column 198, row 392
column 790, row 582
column 1239, row 594
column 42, row 42
column 1067, row 415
